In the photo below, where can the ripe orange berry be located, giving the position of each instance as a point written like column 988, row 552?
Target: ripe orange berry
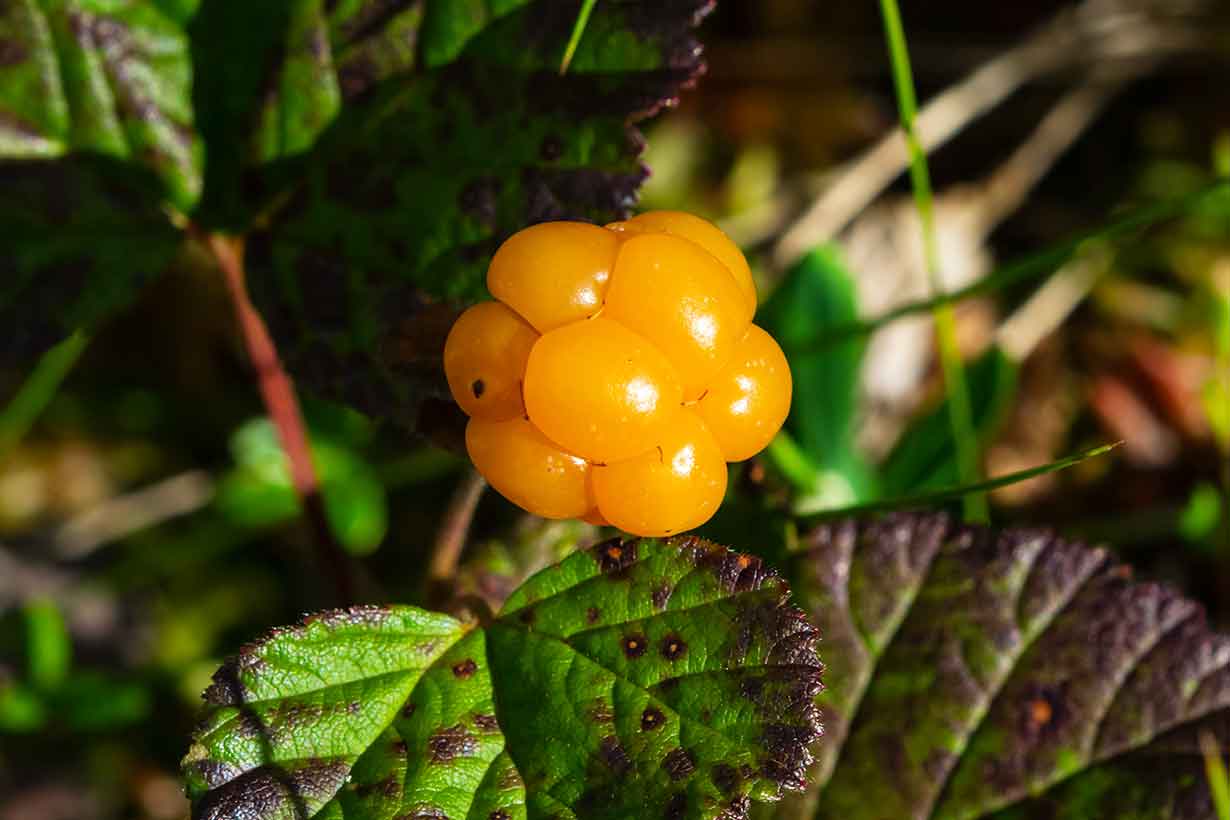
column 600, row 390
column 554, row 273
column 748, row 401
column 678, row 296
column 529, row 470
column 674, row 487
column 484, row 360
column 703, row 233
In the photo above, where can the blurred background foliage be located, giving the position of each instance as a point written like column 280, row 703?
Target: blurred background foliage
column 147, row 525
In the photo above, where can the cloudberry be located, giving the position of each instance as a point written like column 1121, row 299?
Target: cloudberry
column 618, row 371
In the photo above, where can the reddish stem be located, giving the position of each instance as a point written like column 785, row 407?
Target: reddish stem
column 278, row 393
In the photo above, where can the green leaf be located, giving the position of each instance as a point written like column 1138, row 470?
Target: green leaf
column 924, row 458
column 975, row 673
column 422, row 174
column 634, row 679
column 258, row 492
column 818, row 293
column 108, row 77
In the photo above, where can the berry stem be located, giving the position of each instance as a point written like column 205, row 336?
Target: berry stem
column 451, row 537
column 278, row 393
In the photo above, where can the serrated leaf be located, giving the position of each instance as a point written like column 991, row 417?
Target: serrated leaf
column 975, row 673
column 96, row 144
column 635, row 679
column 111, row 78
column 437, row 155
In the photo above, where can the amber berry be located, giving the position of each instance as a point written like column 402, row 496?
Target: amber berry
column 529, row 470
column 484, row 359
column 674, row 487
column 554, row 273
column 683, row 300
column 747, row 402
column 599, row 390
column 703, row 233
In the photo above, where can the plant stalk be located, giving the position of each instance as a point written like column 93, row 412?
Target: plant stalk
column 278, row 393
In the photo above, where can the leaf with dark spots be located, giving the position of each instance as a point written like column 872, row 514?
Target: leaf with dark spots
column 108, row 79
column 362, row 713
column 453, row 131
column 1013, row 674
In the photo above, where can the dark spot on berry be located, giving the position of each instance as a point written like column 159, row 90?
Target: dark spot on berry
column 465, row 669
column 676, row 807
column 593, row 614
column 613, row 755
column 478, row 388
column 679, row 763
column 651, row 719
column 673, row 647
column 725, row 778
column 634, row 646
column 451, row 743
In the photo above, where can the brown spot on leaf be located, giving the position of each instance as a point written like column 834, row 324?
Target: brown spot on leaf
column 448, row 744
column 465, row 669
column 408, row 709
column 488, row 723
column 601, row 712
column 661, row 594
column 527, row 615
column 676, row 807
column 651, row 719
column 389, row 787
column 634, row 646
column 679, row 763
column 725, row 778
column 673, row 647
column 499, row 814
column 593, row 614
column 614, row 755
column 398, row 747
column 614, row 555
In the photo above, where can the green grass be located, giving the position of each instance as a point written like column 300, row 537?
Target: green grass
column 574, row 40
column 961, row 416
column 38, row 390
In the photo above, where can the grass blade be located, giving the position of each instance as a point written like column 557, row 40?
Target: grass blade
column 934, row 497
column 961, row 416
column 1033, row 266
column 574, row 40
column 38, row 390
column 1215, row 773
